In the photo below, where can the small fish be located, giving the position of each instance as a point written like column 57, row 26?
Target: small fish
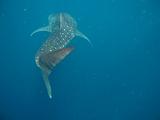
column 62, row 28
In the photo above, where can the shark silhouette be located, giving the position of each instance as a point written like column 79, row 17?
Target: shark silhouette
column 62, row 28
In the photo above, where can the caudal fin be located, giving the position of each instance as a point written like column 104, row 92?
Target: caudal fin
column 50, row 60
column 47, row 84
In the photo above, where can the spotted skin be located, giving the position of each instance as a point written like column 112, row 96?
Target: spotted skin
column 62, row 28
column 56, row 41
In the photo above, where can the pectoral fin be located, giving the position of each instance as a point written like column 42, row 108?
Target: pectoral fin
column 42, row 29
column 78, row 33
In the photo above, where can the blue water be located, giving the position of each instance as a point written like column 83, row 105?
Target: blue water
column 117, row 79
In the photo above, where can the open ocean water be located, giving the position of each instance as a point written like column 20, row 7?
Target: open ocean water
column 116, row 79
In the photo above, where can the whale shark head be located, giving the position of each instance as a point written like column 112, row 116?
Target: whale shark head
column 61, row 20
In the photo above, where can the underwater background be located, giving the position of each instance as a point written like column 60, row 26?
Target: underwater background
column 116, row 79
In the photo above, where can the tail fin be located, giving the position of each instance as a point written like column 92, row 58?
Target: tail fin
column 48, row 85
column 50, row 60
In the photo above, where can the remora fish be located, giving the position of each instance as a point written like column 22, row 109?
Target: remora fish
column 62, row 28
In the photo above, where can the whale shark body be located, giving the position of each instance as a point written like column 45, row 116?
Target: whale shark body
column 62, row 28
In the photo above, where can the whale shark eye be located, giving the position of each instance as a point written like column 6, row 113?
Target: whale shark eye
column 51, row 17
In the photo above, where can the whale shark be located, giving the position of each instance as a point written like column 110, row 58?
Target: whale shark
column 62, row 28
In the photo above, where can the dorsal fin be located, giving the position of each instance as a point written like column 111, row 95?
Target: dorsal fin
column 51, row 59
